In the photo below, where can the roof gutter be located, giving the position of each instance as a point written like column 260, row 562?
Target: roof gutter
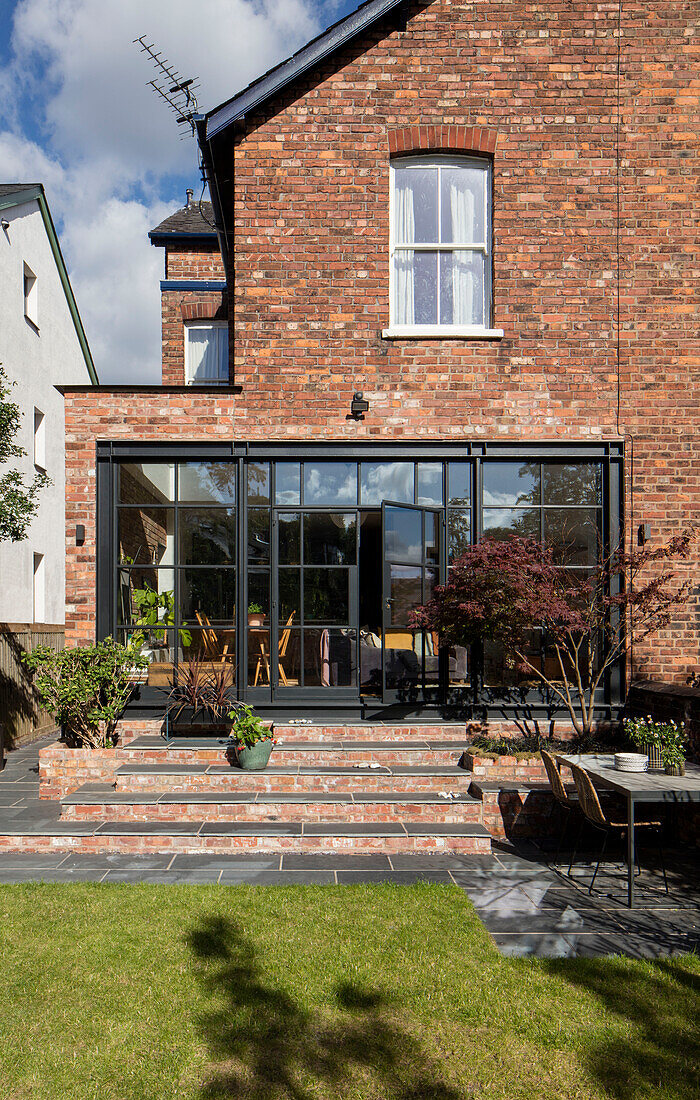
column 213, row 184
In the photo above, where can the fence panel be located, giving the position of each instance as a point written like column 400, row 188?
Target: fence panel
column 21, row 717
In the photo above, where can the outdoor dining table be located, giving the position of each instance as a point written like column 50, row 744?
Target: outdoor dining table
column 651, row 786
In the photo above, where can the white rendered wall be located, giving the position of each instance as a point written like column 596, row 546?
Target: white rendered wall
column 37, row 360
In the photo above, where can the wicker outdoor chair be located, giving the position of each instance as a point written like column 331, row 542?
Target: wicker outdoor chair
column 566, row 800
column 593, row 813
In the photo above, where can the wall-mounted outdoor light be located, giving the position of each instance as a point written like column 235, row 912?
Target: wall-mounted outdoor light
column 79, row 534
column 358, row 407
column 643, row 533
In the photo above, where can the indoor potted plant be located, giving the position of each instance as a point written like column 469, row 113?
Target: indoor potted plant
column 250, row 739
column 256, row 616
column 673, row 750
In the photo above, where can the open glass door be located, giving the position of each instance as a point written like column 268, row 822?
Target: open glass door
column 413, row 564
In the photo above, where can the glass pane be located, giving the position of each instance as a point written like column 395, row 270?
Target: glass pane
column 403, row 537
column 258, row 483
column 146, row 536
column 406, row 592
column 207, row 536
column 416, row 205
column 287, row 483
column 430, row 579
column 502, row 523
column 572, row 483
column 430, row 482
column 145, row 597
column 259, row 592
column 458, row 666
column 573, row 535
column 326, row 596
column 432, row 538
column 459, row 534
column 214, row 482
column 289, row 658
column 462, row 288
column 427, row 650
column 330, row 539
column 402, row 665
column 207, row 596
column 381, row 481
column 259, row 663
column 330, row 658
column 160, row 649
column 258, row 535
column 289, row 537
column 511, row 482
column 500, row 670
column 459, row 479
column 425, row 284
column 330, row 483
column 214, row 646
column 462, row 204
column 146, row 483
column 289, row 594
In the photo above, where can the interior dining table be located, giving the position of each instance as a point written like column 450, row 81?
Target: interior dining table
column 636, row 787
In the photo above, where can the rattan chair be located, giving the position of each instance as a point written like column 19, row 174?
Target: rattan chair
column 567, row 801
column 594, row 815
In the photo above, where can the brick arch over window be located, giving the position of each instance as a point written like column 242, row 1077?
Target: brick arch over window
column 442, row 139
column 214, row 310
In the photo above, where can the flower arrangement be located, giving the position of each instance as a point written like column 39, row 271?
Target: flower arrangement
column 663, row 742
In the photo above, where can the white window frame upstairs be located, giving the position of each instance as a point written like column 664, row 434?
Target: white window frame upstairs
column 191, row 326
column 440, row 330
column 31, row 295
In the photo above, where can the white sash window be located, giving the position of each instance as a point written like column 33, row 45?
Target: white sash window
column 440, row 246
column 206, row 353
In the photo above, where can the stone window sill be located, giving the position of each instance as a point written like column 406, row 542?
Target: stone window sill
column 441, row 332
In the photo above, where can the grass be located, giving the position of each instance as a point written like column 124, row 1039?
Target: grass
column 288, row 993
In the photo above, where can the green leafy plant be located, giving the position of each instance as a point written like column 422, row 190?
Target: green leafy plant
column 86, row 688
column 646, row 733
column 157, row 609
column 18, row 501
column 254, row 609
column 248, row 728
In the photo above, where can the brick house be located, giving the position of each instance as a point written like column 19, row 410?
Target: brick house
column 481, row 219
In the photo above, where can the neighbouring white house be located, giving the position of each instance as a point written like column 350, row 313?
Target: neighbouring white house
column 42, row 346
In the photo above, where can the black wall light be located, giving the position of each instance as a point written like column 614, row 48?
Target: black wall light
column 79, row 534
column 358, row 407
column 643, row 533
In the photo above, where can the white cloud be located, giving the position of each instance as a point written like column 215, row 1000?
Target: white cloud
column 107, row 149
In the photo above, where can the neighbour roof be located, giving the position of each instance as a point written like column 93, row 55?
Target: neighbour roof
column 283, row 74
column 14, row 194
column 194, row 220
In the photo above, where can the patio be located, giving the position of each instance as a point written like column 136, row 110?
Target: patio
column 528, row 907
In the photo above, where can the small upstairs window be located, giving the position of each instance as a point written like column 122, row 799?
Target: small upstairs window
column 206, row 354
column 30, row 296
column 39, row 439
column 441, row 246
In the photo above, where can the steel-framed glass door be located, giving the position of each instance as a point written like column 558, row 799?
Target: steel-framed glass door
column 413, row 564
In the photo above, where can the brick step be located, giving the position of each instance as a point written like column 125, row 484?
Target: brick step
column 293, row 778
column 132, row 838
column 362, row 731
column 97, row 801
column 308, row 753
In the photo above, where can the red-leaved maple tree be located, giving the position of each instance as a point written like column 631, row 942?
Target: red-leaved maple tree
column 502, row 591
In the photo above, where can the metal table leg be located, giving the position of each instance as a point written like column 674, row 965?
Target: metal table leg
column 630, row 850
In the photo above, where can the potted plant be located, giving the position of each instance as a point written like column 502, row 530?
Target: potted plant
column 256, row 616
column 200, row 695
column 650, row 737
column 673, row 750
column 250, row 739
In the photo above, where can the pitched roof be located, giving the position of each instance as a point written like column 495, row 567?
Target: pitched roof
column 190, row 221
column 14, row 194
column 309, row 55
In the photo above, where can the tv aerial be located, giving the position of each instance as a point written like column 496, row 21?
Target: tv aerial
column 180, row 95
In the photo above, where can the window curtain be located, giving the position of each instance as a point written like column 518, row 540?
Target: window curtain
column 404, row 233
column 206, row 349
column 462, row 209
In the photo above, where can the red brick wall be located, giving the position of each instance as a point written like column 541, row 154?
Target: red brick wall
column 179, row 306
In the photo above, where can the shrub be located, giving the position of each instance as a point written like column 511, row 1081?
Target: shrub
column 86, row 688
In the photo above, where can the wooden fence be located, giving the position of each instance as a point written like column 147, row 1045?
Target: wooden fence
column 21, row 717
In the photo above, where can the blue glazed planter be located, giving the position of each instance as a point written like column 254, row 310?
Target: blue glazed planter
column 253, row 759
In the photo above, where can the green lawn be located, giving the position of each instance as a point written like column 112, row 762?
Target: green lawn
column 362, row 992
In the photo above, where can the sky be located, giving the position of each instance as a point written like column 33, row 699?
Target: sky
column 76, row 115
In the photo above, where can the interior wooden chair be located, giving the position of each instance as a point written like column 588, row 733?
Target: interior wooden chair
column 566, row 800
column 210, row 640
column 264, row 658
column 593, row 813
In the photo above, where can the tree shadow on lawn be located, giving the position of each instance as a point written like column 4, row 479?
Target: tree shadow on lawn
column 659, row 1002
column 269, row 1047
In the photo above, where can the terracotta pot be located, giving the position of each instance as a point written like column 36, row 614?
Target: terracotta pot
column 256, row 619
